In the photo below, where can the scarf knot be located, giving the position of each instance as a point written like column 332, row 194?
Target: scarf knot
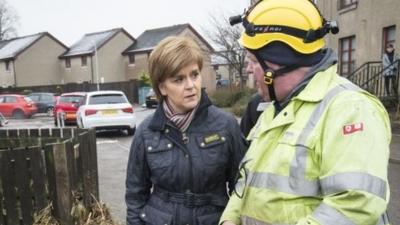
column 180, row 120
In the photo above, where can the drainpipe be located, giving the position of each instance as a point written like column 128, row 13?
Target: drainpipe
column 91, row 65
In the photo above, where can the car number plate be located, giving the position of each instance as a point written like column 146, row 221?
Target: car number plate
column 109, row 112
column 70, row 115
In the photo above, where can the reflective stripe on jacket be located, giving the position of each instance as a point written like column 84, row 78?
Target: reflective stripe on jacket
column 321, row 161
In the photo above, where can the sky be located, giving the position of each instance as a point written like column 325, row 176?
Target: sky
column 69, row 20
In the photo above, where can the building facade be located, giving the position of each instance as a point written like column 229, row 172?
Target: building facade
column 30, row 60
column 96, row 57
column 366, row 27
column 137, row 55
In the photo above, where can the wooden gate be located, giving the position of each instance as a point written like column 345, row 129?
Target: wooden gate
column 43, row 166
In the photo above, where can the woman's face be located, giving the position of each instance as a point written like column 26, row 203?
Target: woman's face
column 389, row 49
column 183, row 90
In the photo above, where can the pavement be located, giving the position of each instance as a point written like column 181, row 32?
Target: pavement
column 395, row 144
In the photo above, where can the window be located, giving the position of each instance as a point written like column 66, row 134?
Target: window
column 347, row 55
column 34, row 98
column 342, row 4
column 83, row 60
column 216, row 67
column 10, row 99
column 131, row 58
column 389, row 36
column 68, row 63
column 7, row 65
column 107, row 99
column 47, row 98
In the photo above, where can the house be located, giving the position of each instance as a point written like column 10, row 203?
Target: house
column 365, row 29
column 30, row 60
column 227, row 75
column 137, row 55
column 96, row 57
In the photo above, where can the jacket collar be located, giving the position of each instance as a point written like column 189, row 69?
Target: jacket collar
column 318, row 86
column 159, row 120
column 329, row 59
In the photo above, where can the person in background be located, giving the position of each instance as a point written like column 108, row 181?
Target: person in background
column 389, row 65
column 319, row 153
column 253, row 111
column 184, row 157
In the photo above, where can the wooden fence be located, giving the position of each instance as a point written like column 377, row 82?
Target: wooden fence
column 43, row 166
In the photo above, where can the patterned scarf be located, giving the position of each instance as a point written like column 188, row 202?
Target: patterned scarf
column 180, row 120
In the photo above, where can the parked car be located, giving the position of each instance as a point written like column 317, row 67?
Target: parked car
column 222, row 83
column 44, row 101
column 151, row 99
column 17, row 106
column 68, row 104
column 106, row 110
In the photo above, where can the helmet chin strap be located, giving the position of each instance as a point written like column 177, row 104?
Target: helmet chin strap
column 270, row 75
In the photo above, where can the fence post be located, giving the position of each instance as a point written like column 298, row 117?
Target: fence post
column 9, row 192
column 93, row 163
column 59, row 181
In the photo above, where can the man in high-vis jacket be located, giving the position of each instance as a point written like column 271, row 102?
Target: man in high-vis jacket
column 319, row 153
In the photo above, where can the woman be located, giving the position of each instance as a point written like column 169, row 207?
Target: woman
column 183, row 155
column 389, row 65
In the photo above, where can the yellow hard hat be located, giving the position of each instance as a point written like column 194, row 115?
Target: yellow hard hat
column 296, row 23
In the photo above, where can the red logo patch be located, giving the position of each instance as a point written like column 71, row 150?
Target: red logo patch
column 351, row 128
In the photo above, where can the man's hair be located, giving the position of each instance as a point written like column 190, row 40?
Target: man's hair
column 170, row 56
column 389, row 46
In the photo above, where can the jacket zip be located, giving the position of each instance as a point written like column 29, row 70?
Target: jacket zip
column 185, row 140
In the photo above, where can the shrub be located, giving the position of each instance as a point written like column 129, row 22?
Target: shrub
column 144, row 79
column 240, row 106
column 26, row 92
column 235, row 98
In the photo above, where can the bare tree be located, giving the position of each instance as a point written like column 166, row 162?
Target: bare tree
column 225, row 39
column 8, row 21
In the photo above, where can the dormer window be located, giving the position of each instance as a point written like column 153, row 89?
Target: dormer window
column 347, row 4
column 7, row 63
column 67, row 63
column 83, row 61
column 131, row 58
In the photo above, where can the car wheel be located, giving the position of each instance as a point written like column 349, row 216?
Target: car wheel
column 18, row 114
column 49, row 111
column 131, row 131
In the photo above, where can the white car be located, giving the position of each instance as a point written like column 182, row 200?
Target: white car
column 106, row 110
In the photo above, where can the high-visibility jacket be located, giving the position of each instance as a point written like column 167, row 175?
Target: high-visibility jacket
column 322, row 160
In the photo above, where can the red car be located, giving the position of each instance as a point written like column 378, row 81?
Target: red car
column 17, row 106
column 68, row 103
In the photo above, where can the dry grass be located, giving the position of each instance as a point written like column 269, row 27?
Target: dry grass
column 98, row 214
column 44, row 217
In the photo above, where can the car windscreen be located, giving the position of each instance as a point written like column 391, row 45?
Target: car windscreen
column 70, row 99
column 107, row 99
column 28, row 99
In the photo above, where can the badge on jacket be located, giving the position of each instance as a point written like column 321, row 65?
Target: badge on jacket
column 351, row 128
column 211, row 138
